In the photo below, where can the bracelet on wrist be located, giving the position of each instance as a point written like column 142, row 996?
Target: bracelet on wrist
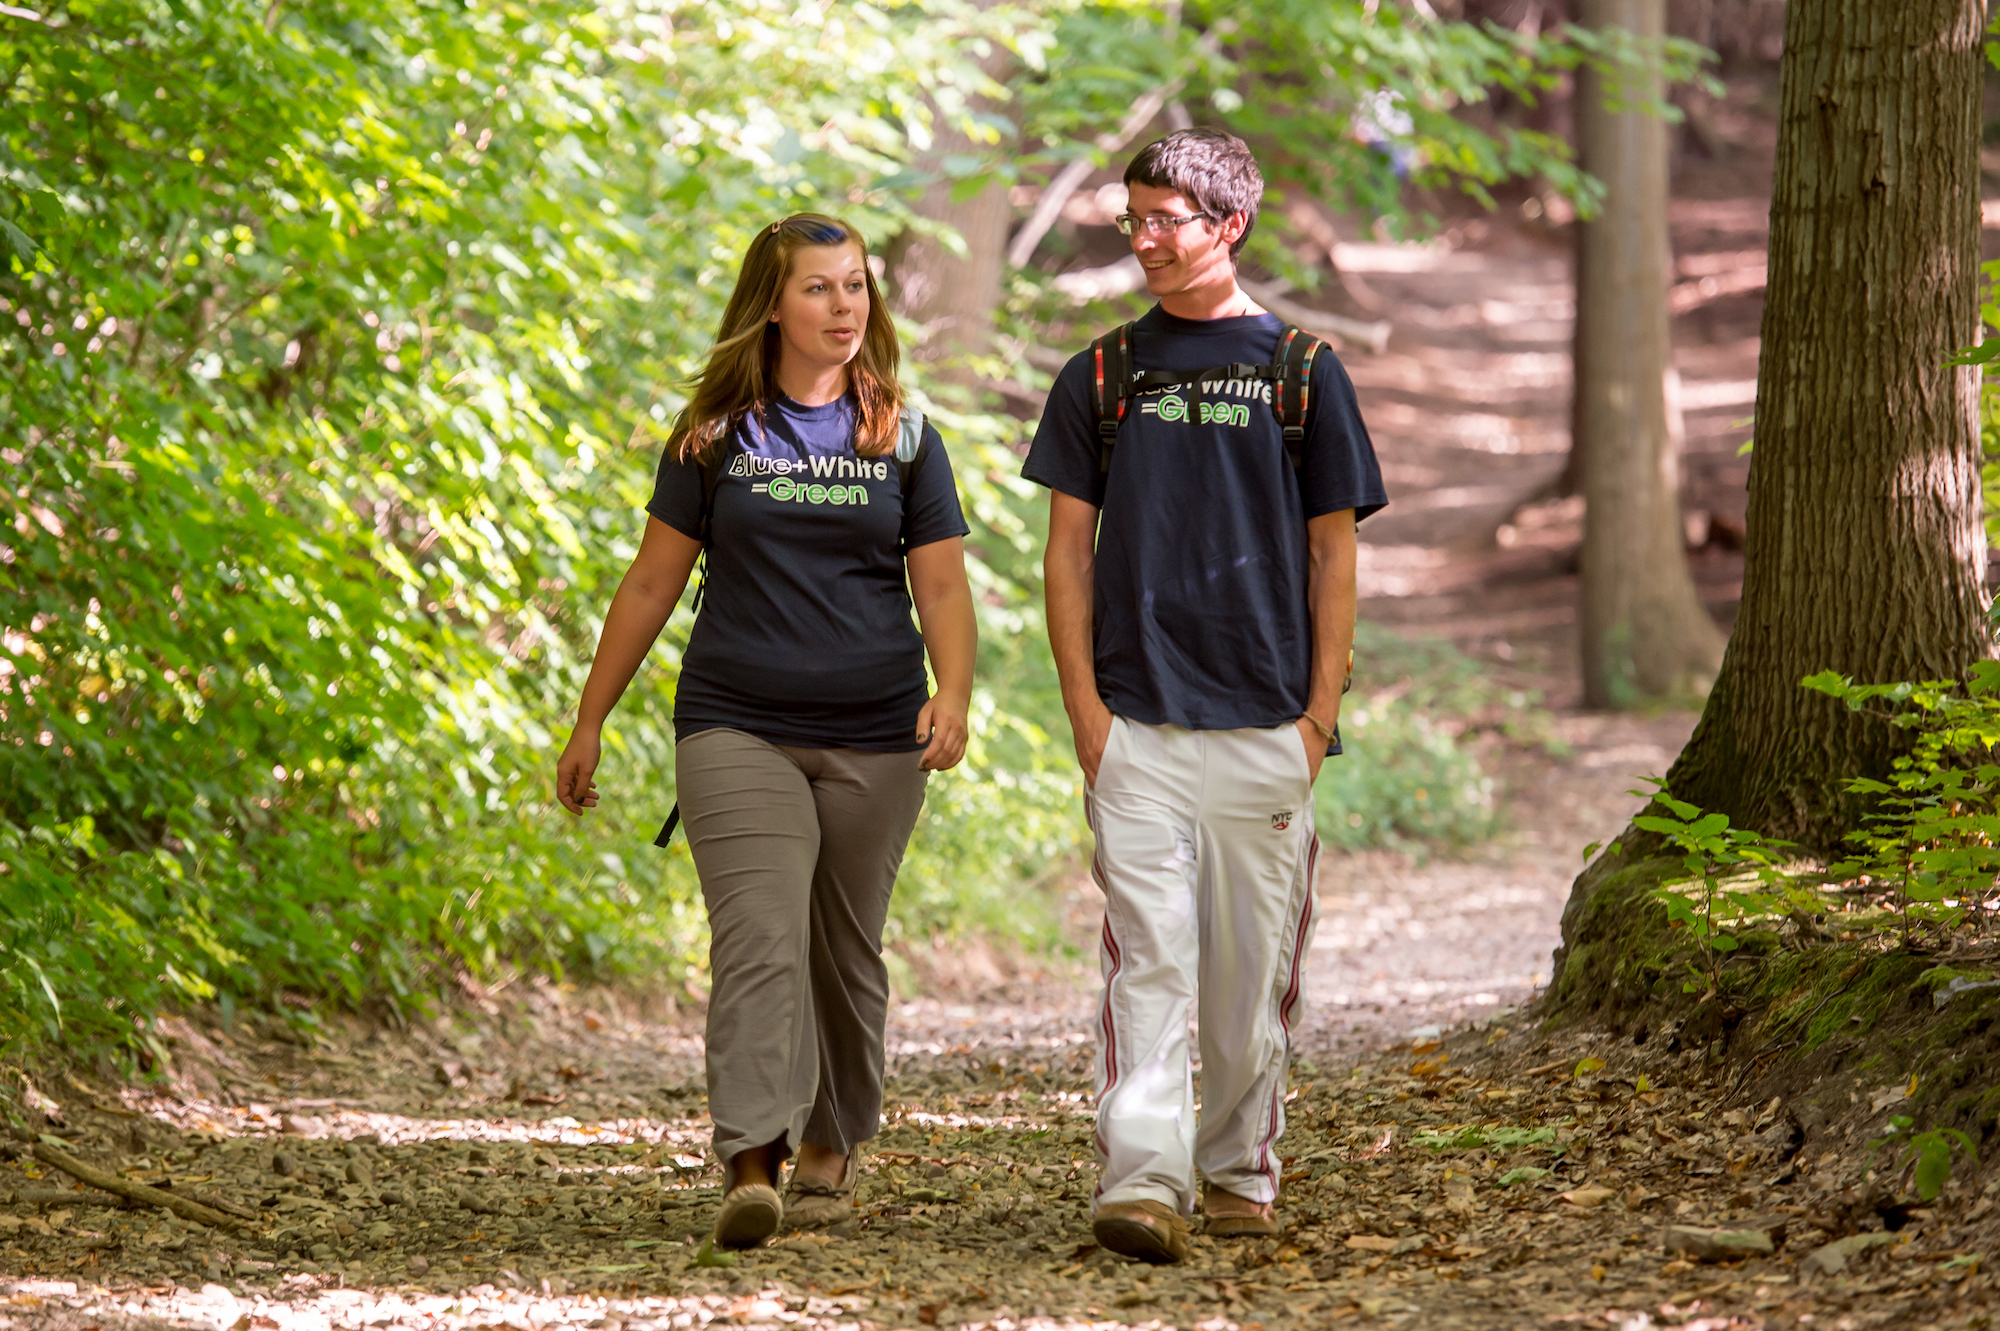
column 1326, row 731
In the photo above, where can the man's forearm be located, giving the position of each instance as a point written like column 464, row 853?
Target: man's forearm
column 1067, row 580
column 1331, row 599
column 1069, row 565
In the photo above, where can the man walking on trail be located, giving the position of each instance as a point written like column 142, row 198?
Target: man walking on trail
column 1207, row 465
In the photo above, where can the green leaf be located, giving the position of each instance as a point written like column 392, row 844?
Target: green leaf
column 1830, row 682
column 24, row 245
column 1933, row 1166
column 708, row 1255
column 47, row 988
column 1522, row 1174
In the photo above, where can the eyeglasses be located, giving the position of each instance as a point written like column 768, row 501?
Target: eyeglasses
column 1158, row 224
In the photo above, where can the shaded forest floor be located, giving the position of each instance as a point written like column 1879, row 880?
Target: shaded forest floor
column 536, row 1158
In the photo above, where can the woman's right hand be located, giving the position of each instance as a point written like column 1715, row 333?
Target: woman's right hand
column 575, row 769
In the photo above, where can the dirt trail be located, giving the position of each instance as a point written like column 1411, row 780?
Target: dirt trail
column 532, row 1161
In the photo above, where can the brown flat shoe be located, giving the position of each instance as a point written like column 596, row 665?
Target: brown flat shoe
column 1258, row 1224
column 810, row 1204
column 1150, row 1231
column 749, row 1215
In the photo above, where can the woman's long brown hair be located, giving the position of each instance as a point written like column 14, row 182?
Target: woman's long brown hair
column 741, row 376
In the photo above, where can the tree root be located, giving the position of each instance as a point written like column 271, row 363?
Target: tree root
column 47, row 1197
column 216, row 1213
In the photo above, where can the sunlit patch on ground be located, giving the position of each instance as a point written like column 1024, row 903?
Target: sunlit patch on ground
column 308, row 1305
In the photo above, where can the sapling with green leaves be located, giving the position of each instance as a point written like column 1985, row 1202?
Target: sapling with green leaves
column 1934, row 833
column 1927, row 1154
column 1719, row 859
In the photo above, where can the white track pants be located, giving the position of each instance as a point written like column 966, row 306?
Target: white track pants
column 1205, row 853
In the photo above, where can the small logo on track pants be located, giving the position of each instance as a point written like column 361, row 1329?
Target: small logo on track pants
column 1281, row 821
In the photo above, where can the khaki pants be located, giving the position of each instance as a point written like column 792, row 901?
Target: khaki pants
column 797, row 850
column 1205, row 852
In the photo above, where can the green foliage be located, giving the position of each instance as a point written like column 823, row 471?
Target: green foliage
column 1925, row 860
column 1408, row 774
column 1735, row 878
column 1926, row 1154
column 321, row 363
column 706, row 1255
column 1984, row 357
column 1930, row 840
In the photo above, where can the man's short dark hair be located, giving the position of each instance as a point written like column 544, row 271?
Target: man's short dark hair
column 1210, row 168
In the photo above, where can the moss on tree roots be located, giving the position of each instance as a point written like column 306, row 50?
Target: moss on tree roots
column 1823, row 1022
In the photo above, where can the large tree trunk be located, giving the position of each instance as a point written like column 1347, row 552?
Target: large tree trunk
column 1865, row 543
column 1645, row 633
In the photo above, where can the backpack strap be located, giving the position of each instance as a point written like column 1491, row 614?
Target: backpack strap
column 909, row 435
column 1111, row 375
column 909, row 443
column 1293, row 390
column 1114, row 382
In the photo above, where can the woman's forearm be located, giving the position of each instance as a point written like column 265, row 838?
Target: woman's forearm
column 943, row 600
column 951, row 637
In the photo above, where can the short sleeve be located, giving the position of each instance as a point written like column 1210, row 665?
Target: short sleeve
column 678, row 495
column 1064, row 455
column 1338, row 468
column 931, row 512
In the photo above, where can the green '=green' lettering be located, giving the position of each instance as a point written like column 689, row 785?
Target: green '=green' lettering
column 788, row 491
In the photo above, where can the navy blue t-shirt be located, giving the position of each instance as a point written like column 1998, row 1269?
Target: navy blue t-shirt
column 1200, row 614
column 805, row 635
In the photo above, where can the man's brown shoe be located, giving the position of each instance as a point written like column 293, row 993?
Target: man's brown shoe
column 1150, row 1231
column 1236, row 1222
column 749, row 1215
column 810, row 1204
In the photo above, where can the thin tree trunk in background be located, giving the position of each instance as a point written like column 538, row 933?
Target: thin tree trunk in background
column 954, row 298
column 1865, row 545
column 1645, row 633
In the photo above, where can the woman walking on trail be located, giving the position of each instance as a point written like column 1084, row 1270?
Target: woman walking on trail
column 803, row 728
